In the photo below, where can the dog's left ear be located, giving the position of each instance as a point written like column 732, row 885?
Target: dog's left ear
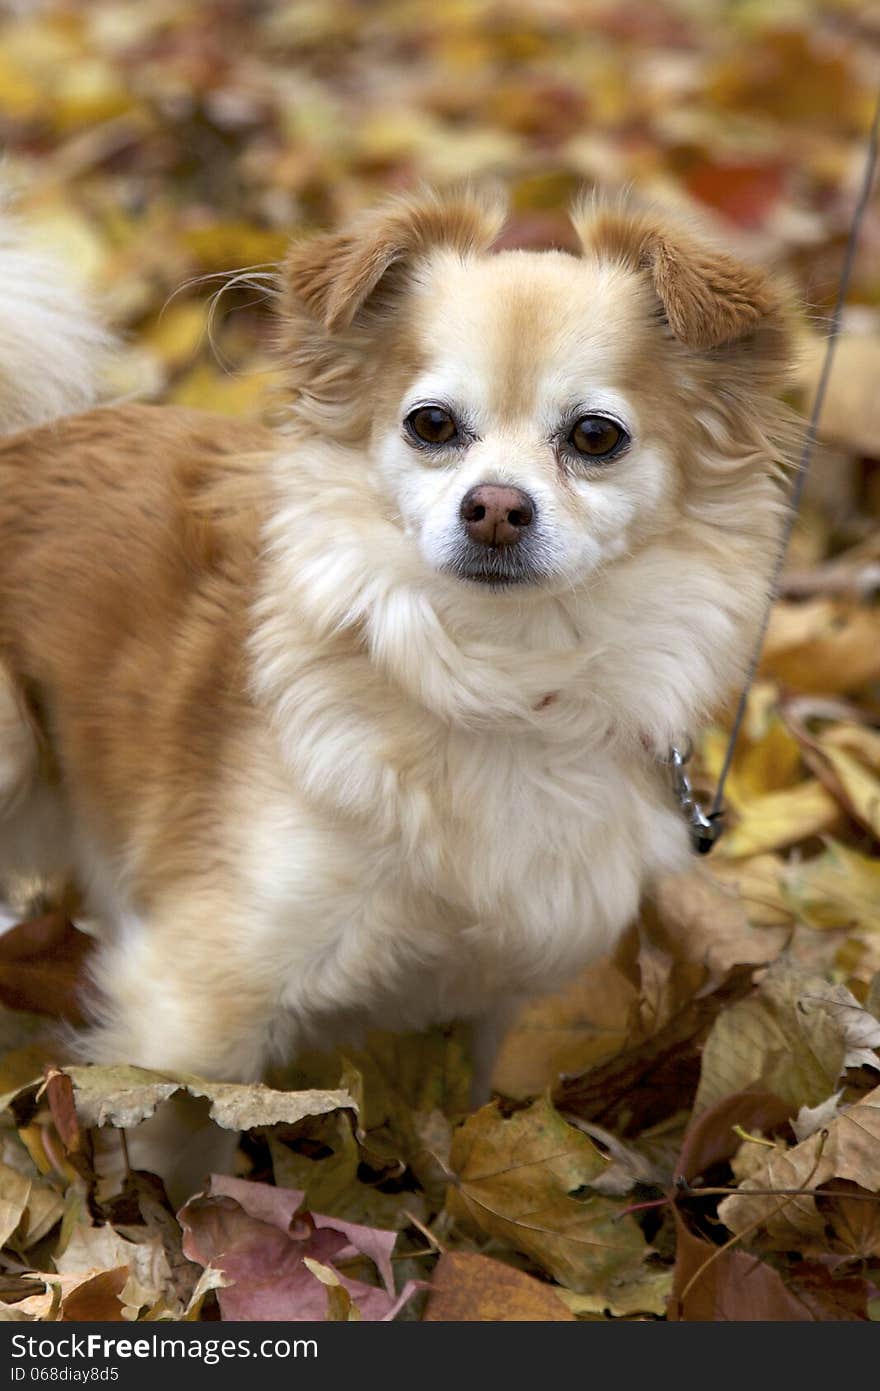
column 709, row 298
column 337, row 275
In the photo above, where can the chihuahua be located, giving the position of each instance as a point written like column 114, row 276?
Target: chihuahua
column 364, row 719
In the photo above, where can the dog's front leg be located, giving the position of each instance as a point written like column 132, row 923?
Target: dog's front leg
column 487, row 1035
column 179, row 1002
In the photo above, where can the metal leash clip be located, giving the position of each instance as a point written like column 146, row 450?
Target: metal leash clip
column 705, row 827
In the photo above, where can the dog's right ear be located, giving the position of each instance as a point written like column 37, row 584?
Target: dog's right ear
column 336, row 276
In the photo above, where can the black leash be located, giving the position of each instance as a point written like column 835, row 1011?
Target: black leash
column 707, row 827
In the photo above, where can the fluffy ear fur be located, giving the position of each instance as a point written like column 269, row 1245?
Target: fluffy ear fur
column 339, row 287
column 709, row 298
column 334, row 275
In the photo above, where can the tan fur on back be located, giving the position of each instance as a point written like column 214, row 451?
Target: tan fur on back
column 122, row 598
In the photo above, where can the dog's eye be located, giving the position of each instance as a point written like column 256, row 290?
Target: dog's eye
column 432, row 425
column 597, row 437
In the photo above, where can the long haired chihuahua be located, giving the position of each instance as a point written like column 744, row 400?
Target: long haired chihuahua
column 364, row 721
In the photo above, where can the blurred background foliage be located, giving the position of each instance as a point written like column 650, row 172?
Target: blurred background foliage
column 157, row 142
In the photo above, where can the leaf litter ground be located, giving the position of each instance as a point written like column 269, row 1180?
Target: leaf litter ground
column 689, row 1131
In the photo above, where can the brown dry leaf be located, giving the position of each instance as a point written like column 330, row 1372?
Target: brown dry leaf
column 758, row 882
column 734, row 1287
column 29, row 1207
column 97, row 1299
column 854, row 1215
column 838, row 889
column 848, row 1148
column 519, row 1178
column 93, row 1248
column 696, row 958
column 124, row 1096
column 341, row 1308
column 593, row 1019
column 823, row 646
column 405, row 1089
column 793, row 1037
column 323, row 1158
column 851, row 409
column 42, row 964
column 713, row 1136
column 466, row 1287
column 647, row 1291
column 829, row 1294
column 15, row 1190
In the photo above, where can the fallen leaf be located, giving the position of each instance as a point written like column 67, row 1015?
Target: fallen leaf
column 732, row 1287
column 97, row 1299
column 41, row 966
column 94, row 1250
column 647, row 1291
column 826, row 646
column 848, row 1148
column 851, row 411
column 468, row 1288
column 15, row 1191
column 630, row 1026
column 124, row 1096
column 521, row 1179
column 794, row 1037
column 258, row 1236
column 838, row 889
column 779, row 819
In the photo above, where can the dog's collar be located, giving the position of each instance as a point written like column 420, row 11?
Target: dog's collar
column 704, row 828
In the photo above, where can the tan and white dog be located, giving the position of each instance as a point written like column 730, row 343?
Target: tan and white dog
column 362, row 722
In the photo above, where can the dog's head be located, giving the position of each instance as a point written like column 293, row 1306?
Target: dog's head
column 530, row 417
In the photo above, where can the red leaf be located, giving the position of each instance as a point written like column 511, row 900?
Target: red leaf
column 41, row 966
column 255, row 1234
column 745, row 193
column 711, row 1139
column 733, row 1288
column 59, row 1093
column 96, row 1300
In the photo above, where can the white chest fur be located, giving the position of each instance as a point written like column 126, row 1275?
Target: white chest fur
column 409, row 872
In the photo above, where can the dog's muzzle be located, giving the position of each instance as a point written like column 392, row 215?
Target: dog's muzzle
column 497, row 545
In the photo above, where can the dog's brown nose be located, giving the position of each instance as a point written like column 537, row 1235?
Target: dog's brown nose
column 496, row 516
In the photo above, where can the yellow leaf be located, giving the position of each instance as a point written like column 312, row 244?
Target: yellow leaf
column 793, row 1037
column 178, row 333
column 862, row 787
column 780, row 819
column 224, row 246
column 516, row 1178
column 769, row 765
column 758, row 882
column 75, row 239
column 851, row 410
column 86, row 93
column 823, row 645
column 841, row 888
column 209, row 388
